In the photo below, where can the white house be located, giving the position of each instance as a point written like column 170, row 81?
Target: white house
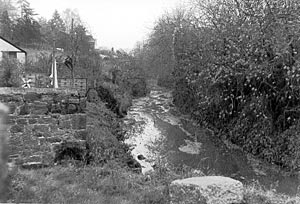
column 11, row 51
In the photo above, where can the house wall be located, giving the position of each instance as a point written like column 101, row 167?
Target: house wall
column 21, row 56
column 6, row 47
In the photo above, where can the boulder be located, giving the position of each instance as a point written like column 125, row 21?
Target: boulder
column 206, row 190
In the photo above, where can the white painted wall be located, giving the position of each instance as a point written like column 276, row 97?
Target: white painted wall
column 6, row 47
column 21, row 57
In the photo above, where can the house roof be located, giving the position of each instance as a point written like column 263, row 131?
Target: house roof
column 13, row 44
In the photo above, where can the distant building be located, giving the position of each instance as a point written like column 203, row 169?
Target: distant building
column 11, row 51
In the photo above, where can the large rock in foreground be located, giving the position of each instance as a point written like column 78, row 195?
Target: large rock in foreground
column 206, row 190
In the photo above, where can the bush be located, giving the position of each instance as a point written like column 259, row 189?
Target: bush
column 10, row 73
column 165, row 81
column 139, row 88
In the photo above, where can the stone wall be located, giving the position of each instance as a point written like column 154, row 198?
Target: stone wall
column 40, row 121
column 3, row 152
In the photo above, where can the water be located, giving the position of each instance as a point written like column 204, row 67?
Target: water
column 157, row 130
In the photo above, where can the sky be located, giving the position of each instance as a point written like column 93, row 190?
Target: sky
column 114, row 23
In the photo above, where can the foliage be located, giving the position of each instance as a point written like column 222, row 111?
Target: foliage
column 41, row 64
column 6, row 25
column 235, row 67
column 104, row 135
column 10, row 73
column 26, row 28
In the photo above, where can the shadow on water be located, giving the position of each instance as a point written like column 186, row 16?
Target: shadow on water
column 182, row 142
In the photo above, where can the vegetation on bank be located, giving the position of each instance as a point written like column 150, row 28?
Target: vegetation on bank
column 111, row 183
column 234, row 65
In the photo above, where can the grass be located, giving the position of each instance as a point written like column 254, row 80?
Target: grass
column 88, row 184
column 254, row 194
column 110, row 184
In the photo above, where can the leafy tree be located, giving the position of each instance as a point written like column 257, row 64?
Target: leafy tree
column 27, row 30
column 235, row 66
column 57, row 23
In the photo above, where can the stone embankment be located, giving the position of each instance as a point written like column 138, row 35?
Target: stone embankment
column 3, row 151
column 40, row 121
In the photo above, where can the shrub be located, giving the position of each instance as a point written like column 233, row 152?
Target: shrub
column 139, row 88
column 10, row 73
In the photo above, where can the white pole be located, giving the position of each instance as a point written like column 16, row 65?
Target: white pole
column 55, row 81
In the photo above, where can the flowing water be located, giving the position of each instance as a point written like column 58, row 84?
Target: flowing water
column 157, row 130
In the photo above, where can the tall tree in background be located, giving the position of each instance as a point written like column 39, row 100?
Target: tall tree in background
column 6, row 26
column 8, row 6
column 27, row 30
column 58, row 31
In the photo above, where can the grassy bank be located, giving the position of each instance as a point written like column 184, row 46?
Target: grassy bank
column 110, row 184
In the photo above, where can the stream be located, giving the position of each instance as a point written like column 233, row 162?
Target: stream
column 156, row 130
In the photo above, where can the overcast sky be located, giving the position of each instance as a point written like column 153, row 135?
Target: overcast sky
column 114, row 23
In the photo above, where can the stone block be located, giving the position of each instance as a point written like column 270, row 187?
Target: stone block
column 79, row 121
column 81, row 134
column 34, row 158
column 55, row 108
column 40, row 135
column 41, row 128
column 11, row 98
column 54, row 139
column 22, row 121
column 54, row 126
column 64, row 124
column 33, row 165
column 32, row 96
column 32, row 120
column 11, row 120
column 82, row 105
column 207, row 189
column 72, row 108
column 46, row 120
column 16, row 128
column 24, row 109
column 39, row 108
column 12, row 108
column 74, row 100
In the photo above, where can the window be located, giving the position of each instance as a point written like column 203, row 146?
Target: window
column 10, row 55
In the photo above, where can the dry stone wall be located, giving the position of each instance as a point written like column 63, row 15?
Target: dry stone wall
column 40, row 121
column 3, row 152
